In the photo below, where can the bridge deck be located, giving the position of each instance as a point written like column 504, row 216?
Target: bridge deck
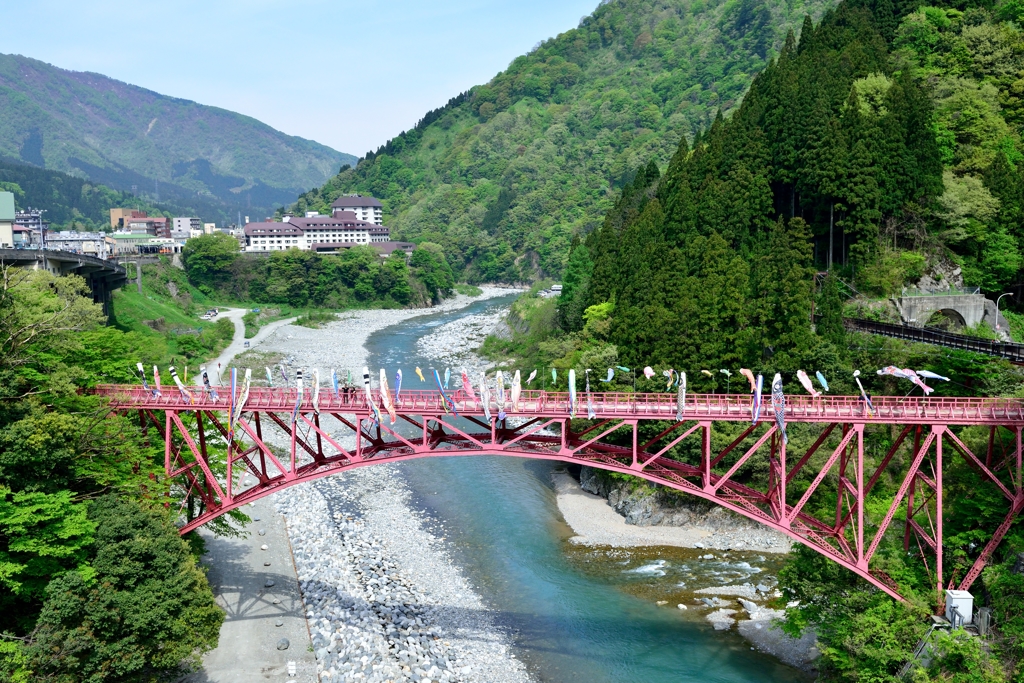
column 534, row 403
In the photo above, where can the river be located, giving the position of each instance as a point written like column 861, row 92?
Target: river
column 576, row 613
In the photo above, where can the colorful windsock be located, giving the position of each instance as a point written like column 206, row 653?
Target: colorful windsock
column 316, row 390
column 501, row 396
column 681, row 397
column 779, row 406
column 369, row 397
column 805, row 381
column 755, row 408
column 572, row 393
column 485, row 396
column 590, row 401
column 385, row 396
column 821, row 380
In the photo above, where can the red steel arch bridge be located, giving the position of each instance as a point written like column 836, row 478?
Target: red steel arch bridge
column 225, row 474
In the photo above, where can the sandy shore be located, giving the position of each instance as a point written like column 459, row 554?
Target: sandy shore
column 596, row 523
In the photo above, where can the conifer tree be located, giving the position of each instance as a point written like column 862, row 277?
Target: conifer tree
column 575, row 286
column 634, row 330
column 830, row 313
column 780, row 301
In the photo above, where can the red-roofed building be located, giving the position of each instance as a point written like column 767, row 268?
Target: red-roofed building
column 316, row 233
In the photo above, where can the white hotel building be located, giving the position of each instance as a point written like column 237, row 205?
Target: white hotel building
column 324, row 234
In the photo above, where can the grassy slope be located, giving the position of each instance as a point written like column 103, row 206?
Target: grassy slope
column 134, row 135
column 563, row 126
column 131, row 310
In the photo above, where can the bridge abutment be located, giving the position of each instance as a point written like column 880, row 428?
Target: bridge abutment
column 970, row 309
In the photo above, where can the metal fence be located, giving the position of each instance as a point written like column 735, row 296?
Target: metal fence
column 952, row 291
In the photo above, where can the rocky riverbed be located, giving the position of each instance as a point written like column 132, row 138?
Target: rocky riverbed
column 382, row 597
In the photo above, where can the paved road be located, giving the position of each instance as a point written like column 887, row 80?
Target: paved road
column 237, row 344
column 247, row 650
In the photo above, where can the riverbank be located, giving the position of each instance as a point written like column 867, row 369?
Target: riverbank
column 382, row 596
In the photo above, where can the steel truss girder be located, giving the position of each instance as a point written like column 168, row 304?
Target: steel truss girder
column 612, row 443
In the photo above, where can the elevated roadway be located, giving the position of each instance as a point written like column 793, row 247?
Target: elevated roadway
column 102, row 276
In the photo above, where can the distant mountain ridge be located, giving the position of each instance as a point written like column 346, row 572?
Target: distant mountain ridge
column 506, row 174
column 168, row 148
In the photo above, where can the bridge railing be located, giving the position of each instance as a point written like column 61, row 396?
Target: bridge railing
column 532, row 403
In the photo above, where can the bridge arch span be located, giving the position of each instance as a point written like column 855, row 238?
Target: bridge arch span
column 611, row 441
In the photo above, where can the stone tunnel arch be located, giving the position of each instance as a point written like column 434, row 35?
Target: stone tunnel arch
column 948, row 319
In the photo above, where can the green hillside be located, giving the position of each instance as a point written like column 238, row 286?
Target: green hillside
column 885, row 146
column 171, row 149
column 506, row 174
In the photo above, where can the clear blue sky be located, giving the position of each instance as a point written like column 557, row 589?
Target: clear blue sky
column 347, row 73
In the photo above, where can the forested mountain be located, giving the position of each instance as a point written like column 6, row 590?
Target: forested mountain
column 894, row 136
column 171, row 149
column 884, row 143
column 505, row 174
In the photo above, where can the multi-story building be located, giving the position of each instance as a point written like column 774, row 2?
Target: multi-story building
column 324, row 234
column 184, row 226
column 33, row 220
column 186, row 223
column 158, row 226
column 365, row 208
column 88, row 243
column 119, row 218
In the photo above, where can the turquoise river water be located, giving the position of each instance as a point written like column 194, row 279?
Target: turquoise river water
column 576, row 613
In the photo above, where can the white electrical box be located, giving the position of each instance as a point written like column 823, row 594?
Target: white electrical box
column 963, row 603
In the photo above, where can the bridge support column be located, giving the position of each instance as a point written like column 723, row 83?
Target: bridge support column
column 938, row 520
